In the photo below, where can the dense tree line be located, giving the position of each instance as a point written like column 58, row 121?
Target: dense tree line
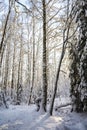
column 35, row 40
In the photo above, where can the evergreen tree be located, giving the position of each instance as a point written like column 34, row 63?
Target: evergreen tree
column 79, row 66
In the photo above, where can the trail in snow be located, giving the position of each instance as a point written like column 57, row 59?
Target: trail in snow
column 26, row 118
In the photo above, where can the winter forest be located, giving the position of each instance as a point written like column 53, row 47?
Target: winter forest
column 43, row 64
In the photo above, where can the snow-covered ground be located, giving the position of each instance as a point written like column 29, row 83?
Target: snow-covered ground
column 26, row 118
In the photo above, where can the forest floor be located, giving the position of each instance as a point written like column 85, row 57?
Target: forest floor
column 27, row 118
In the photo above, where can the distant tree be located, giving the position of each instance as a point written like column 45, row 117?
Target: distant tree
column 33, row 52
column 6, row 68
column 19, row 81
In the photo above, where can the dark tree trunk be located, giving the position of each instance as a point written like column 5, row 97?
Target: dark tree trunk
column 44, row 92
column 57, row 78
column 19, row 81
column 79, row 87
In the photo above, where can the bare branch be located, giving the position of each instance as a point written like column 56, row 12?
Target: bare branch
column 4, row 32
column 24, row 6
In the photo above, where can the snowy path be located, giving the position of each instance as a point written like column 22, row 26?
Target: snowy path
column 26, row 118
